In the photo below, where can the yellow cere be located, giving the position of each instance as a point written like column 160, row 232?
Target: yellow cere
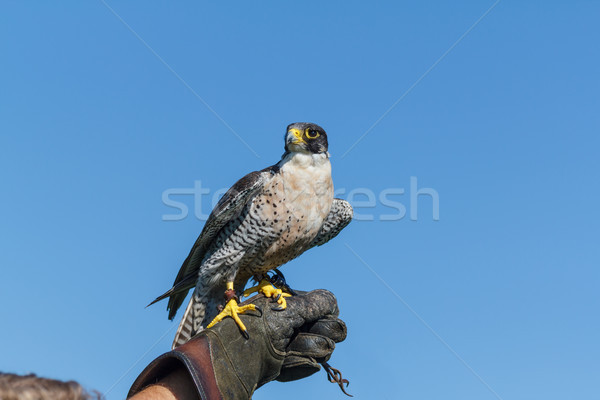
column 298, row 135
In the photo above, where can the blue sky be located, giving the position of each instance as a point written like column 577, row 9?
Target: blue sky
column 496, row 299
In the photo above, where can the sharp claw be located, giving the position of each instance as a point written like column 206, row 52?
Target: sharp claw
column 257, row 308
column 278, row 308
column 233, row 309
column 278, row 297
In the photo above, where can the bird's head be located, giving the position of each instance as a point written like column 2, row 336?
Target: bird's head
column 305, row 137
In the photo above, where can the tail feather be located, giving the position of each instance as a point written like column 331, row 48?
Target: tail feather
column 201, row 310
column 186, row 327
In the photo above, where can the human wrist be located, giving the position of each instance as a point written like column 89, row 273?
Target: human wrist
column 186, row 367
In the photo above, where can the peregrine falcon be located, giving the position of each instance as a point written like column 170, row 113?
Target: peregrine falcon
column 264, row 220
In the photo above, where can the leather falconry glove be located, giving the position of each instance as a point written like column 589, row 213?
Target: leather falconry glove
column 284, row 345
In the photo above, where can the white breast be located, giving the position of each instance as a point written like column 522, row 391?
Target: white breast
column 293, row 207
column 308, row 186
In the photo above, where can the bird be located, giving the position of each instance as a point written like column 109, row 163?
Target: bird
column 264, row 220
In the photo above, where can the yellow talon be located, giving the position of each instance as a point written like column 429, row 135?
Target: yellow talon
column 232, row 310
column 265, row 287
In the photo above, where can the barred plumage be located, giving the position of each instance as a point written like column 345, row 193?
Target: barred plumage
column 266, row 219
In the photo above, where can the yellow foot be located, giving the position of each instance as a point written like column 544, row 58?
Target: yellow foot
column 265, row 287
column 232, row 310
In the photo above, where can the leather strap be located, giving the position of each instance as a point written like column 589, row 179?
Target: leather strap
column 195, row 357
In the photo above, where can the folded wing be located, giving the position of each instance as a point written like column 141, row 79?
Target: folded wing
column 227, row 209
column 338, row 218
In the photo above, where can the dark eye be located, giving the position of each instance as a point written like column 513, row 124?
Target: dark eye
column 312, row 134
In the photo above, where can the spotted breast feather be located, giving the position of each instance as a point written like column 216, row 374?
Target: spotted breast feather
column 266, row 219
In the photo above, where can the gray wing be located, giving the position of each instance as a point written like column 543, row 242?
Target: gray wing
column 230, row 206
column 338, row 218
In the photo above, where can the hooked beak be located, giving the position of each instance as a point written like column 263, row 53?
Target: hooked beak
column 295, row 137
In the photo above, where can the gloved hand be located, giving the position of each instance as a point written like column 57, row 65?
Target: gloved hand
column 284, row 345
